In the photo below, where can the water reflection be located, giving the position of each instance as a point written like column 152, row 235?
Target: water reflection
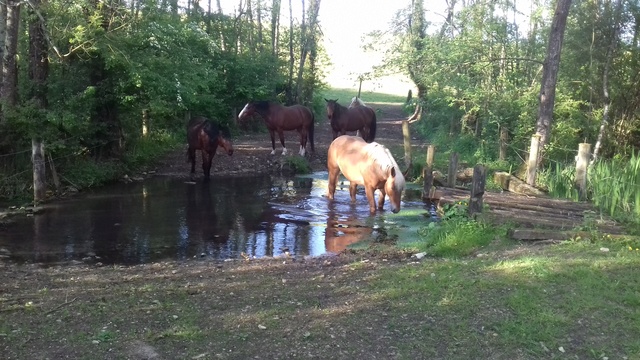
column 164, row 218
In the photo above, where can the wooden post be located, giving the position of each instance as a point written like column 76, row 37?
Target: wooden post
column 359, row 86
column 453, row 169
column 504, row 138
column 407, row 143
column 39, row 170
column 532, row 165
column 477, row 190
column 582, row 163
column 427, row 173
column 409, row 97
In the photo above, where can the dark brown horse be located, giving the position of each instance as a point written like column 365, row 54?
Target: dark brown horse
column 358, row 117
column 279, row 118
column 205, row 135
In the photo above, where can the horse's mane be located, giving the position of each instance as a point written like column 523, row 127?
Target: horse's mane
column 355, row 101
column 213, row 130
column 382, row 156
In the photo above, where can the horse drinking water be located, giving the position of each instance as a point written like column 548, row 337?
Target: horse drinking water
column 370, row 165
column 205, row 135
column 280, row 118
column 357, row 117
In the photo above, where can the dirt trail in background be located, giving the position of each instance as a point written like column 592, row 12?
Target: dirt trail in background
column 252, row 152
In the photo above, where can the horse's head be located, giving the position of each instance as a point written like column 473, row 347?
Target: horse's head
column 394, row 187
column 331, row 108
column 225, row 144
column 248, row 110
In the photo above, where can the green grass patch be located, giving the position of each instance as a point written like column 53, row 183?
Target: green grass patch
column 344, row 96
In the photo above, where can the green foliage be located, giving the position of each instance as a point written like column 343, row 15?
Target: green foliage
column 456, row 237
column 297, row 164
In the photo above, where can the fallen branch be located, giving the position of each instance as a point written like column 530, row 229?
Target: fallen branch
column 60, row 306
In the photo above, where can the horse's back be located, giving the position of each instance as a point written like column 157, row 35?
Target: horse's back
column 347, row 154
column 302, row 112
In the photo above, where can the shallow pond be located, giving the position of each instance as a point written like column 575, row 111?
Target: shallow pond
column 170, row 219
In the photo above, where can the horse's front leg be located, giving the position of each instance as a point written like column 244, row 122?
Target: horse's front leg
column 383, row 194
column 333, row 179
column 191, row 154
column 284, row 148
column 206, row 164
column 272, row 133
column 370, row 197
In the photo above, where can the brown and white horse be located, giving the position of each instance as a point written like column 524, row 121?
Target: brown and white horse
column 368, row 164
column 280, row 118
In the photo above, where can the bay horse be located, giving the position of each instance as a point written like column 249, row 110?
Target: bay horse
column 205, row 135
column 367, row 164
column 357, row 117
column 280, row 118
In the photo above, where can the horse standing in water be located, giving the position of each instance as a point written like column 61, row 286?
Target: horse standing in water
column 280, row 118
column 357, row 117
column 367, row 164
column 205, row 135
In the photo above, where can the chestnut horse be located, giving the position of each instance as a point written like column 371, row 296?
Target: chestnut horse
column 280, row 118
column 367, row 164
column 205, row 135
column 357, row 117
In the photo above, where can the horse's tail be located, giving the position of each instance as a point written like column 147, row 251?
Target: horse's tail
column 372, row 128
column 313, row 122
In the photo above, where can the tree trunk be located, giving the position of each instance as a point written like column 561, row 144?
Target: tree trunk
column 417, row 29
column 9, row 93
column 3, row 37
column 275, row 22
column 550, row 72
column 307, row 34
column 291, row 57
column 605, row 78
column 38, row 74
column 259, row 14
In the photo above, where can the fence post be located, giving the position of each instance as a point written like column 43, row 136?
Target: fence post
column 453, row 169
column 427, row 172
column 582, row 163
column 477, row 189
column 407, row 143
column 39, row 168
column 504, row 138
column 532, row 165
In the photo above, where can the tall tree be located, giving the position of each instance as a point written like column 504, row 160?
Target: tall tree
column 38, row 74
column 417, row 35
column 605, row 77
column 550, row 71
column 275, row 23
column 307, row 36
column 9, row 94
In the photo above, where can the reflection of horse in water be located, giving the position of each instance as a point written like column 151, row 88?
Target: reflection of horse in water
column 342, row 233
column 203, row 223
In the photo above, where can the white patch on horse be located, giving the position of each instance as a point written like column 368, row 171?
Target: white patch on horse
column 244, row 110
column 284, row 151
column 355, row 101
column 301, row 152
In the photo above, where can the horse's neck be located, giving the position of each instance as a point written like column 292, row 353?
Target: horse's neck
column 341, row 109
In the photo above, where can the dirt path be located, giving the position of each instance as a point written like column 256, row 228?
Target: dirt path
column 252, row 152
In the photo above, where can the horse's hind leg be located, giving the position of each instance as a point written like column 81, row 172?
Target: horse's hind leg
column 381, row 199
column 333, row 179
column 353, row 187
column 303, row 142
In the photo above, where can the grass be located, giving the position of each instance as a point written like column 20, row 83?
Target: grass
column 344, row 96
column 570, row 300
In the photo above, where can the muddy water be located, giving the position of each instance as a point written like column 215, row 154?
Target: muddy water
column 167, row 218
